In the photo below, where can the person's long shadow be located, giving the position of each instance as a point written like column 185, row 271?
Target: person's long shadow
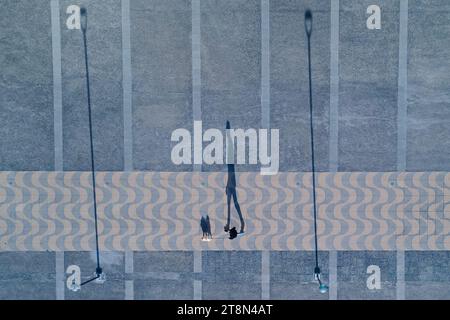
column 230, row 189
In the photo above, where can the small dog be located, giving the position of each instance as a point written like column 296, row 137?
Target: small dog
column 206, row 228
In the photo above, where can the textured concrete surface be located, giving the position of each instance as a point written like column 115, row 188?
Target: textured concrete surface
column 161, row 59
column 162, row 84
column 231, row 275
column 352, row 275
column 428, row 145
column 163, row 275
column 368, row 70
column 231, row 66
column 26, row 107
column 231, row 82
column 27, row 275
column 289, row 109
column 291, row 275
column 105, row 67
column 427, row 275
column 113, row 266
column 225, row 275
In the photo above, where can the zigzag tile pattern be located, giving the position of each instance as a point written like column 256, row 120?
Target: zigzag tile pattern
column 161, row 211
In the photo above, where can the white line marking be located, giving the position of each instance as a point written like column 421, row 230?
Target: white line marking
column 197, row 112
column 196, row 66
column 57, row 85
column 127, row 88
column 129, row 290
column 265, row 275
column 402, row 87
column 333, row 275
column 129, row 262
column 265, row 64
column 129, row 268
column 197, row 269
column 196, row 61
column 127, row 123
column 60, row 275
column 334, row 87
column 400, row 275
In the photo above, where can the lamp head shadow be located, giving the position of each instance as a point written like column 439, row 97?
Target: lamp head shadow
column 308, row 22
column 83, row 19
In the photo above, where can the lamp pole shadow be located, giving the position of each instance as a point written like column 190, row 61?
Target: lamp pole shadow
column 308, row 28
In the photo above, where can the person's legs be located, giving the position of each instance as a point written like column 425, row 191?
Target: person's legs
column 227, row 226
column 238, row 209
